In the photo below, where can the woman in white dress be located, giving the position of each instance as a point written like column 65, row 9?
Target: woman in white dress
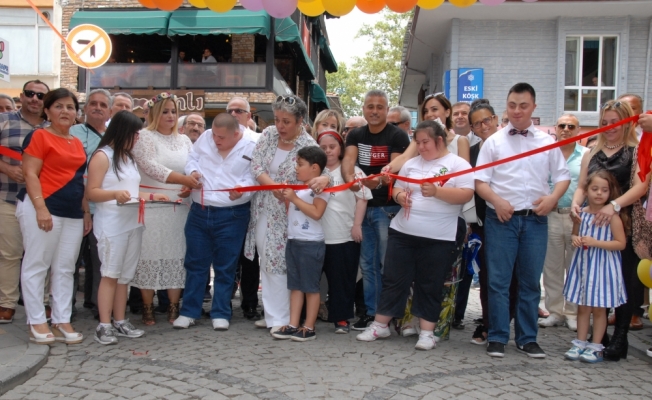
column 161, row 154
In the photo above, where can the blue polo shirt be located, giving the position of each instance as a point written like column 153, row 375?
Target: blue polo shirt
column 574, row 163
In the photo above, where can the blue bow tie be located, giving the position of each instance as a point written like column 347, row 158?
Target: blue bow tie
column 514, row 131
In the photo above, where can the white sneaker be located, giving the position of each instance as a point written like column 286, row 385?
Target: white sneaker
column 183, row 322
column 373, row 332
column 261, row 323
column 220, row 324
column 571, row 324
column 426, row 342
column 552, row 320
column 408, row 331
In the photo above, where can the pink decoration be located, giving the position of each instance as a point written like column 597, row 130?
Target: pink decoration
column 529, row 1
column 492, row 2
column 280, row 9
column 252, row 5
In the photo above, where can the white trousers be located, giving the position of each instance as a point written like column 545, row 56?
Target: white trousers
column 276, row 296
column 56, row 251
column 559, row 255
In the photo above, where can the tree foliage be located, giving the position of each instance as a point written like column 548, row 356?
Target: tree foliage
column 379, row 68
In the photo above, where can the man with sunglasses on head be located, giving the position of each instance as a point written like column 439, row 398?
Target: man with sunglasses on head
column 352, row 123
column 401, row 118
column 560, row 248
column 14, row 127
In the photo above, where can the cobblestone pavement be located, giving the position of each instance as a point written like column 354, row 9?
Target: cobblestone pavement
column 245, row 363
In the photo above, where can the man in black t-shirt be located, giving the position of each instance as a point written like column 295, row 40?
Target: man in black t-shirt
column 371, row 147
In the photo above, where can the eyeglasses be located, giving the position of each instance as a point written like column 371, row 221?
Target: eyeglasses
column 236, row 110
column 288, row 99
column 485, row 121
column 570, row 126
column 31, row 93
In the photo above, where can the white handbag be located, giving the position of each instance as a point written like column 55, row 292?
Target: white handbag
column 469, row 213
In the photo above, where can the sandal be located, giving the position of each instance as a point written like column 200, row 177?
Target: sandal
column 479, row 336
column 148, row 314
column 173, row 312
column 61, row 335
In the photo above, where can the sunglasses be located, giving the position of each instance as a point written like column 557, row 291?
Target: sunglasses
column 616, row 104
column 485, row 121
column 289, row 100
column 31, row 93
column 570, row 126
column 236, row 110
column 430, row 96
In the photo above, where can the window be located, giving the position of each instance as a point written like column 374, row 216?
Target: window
column 28, row 32
column 590, row 73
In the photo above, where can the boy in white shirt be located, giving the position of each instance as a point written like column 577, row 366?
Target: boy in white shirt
column 305, row 249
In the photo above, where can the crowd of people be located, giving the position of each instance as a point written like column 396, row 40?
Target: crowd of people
column 156, row 207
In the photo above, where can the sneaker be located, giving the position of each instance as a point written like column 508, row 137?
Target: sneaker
column 458, row 324
column 304, row 334
column 532, row 350
column 591, row 356
column 363, row 322
column 220, row 324
column 251, row 314
column 552, row 320
column 342, row 327
column 284, row 332
column 373, row 332
column 105, row 335
column 649, row 352
column 408, row 330
column 183, row 322
column 574, row 353
column 571, row 324
column 127, row 329
column 261, row 323
column 495, row 349
column 426, row 342
column 479, row 337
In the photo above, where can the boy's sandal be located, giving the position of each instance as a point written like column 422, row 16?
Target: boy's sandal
column 148, row 314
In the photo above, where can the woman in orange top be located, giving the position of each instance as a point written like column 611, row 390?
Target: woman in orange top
column 53, row 217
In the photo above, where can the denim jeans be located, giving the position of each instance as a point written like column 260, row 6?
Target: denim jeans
column 372, row 252
column 516, row 246
column 214, row 235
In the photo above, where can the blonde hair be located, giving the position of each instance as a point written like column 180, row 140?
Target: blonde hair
column 624, row 111
column 322, row 116
column 155, row 112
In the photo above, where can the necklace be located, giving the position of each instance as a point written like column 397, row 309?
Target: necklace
column 68, row 137
column 615, row 146
column 290, row 141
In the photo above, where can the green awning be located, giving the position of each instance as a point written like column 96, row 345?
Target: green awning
column 287, row 31
column 317, row 95
column 207, row 22
column 125, row 22
column 328, row 60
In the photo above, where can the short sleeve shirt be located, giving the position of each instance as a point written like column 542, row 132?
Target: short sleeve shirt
column 374, row 152
column 302, row 227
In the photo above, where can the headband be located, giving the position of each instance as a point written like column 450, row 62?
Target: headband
column 333, row 134
column 162, row 96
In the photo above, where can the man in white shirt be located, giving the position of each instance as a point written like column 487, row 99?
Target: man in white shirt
column 207, row 57
column 461, row 123
column 217, row 223
column 240, row 109
column 516, row 227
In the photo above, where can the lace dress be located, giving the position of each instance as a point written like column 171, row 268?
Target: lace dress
column 164, row 243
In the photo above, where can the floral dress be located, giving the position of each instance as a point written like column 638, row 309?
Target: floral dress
column 264, row 202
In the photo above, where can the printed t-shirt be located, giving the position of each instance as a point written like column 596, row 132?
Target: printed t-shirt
column 302, row 227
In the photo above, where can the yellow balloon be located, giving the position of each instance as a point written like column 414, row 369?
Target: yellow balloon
column 644, row 272
column 462, row 3
column 429, row 4
column 198, row 3
column 339, row 8
column 311, row 8
column 220, row 5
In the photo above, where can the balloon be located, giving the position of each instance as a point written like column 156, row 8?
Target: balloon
column 168, row 5
column 401, row 6
column 312, row 8
column 370, row 6
column 148, row 3
column 492, row 2
column 252, row 5
column 280, row 9
column 198, row 3
column 429, row 4
column 220, row 6
column 529, row 1
column 462, row 3
column 339, row 8
column 645, row 272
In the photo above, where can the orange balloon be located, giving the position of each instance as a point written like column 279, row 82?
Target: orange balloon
column 401, row 6
column 168, row 5
column 311, row 8
column 148, row 3
column 429, row 4
column 220, row 6
column 462, row 3
column 370, row 6
column 339, row 8
column 198, row 3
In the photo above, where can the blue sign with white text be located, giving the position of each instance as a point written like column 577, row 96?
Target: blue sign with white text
column 470, row 84
column 447, row 84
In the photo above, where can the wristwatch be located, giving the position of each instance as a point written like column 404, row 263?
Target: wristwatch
column 616, row 206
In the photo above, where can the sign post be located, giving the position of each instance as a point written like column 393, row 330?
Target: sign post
column 4, row 60
column 93, row 47
column 470, row 84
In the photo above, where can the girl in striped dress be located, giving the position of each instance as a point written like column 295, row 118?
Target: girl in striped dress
column 595, row 280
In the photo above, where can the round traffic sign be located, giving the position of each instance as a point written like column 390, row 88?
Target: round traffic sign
column 92, row 45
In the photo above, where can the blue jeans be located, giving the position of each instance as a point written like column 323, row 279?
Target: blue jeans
column 214, row 235
column 516, row 246
column 372, row 252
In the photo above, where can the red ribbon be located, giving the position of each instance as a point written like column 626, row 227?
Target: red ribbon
column 141, row 211
column 7, row 152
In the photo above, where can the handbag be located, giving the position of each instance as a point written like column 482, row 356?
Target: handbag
column 469, row 214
